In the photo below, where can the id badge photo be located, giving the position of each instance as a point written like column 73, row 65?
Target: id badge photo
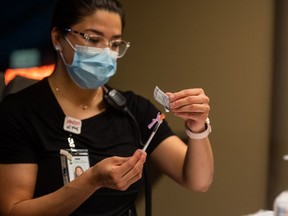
column 73, row 163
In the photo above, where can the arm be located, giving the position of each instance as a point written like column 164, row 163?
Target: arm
column 18, row 181
column 191, row 164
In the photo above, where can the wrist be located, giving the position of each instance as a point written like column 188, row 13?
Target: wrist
column 202, row 135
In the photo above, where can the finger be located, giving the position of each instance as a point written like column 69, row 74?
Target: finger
column 135, row 173
column 130, row 163
column 117, row 161
column 184, row 93
column 189, row 100
column 133, row 180
column 192, row 108
column 113, row 169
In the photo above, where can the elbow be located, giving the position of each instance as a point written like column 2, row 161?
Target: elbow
column 200, row 186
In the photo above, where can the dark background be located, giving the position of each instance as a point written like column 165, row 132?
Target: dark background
column 25, row 25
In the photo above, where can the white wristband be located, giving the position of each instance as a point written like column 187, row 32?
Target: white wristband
column 201, row 135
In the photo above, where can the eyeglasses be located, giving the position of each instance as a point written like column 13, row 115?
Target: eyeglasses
column 119, row 46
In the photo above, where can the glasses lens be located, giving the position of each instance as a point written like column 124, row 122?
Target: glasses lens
column 96, row 41
column 118, row 46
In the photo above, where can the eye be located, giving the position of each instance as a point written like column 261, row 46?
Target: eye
column 95, row 40
column 115, row 44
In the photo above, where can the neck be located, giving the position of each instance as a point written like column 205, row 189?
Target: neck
column 66, row 89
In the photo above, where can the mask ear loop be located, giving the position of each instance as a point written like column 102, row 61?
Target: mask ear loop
column 69, row 43
column 57, row 48
column 62, row 57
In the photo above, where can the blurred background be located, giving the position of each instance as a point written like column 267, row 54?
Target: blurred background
column 235, row 50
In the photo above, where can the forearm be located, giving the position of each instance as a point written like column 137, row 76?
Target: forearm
column 198, row 167
column 61, row 202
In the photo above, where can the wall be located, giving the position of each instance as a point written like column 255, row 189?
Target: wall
column 226, row 48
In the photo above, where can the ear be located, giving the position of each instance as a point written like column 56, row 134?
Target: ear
column 56, row 38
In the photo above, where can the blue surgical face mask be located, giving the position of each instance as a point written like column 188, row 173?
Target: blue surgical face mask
column 91, row 67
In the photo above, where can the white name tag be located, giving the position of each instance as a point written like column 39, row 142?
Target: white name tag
column 72, row 125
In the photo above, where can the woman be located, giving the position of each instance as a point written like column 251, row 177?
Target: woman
column 68, row 113
column 78, row 171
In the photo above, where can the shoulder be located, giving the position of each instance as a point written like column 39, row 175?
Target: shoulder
column 15, row 102
column 133, row 100
column 29, row 92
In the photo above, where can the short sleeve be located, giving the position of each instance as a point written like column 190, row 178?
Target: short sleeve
column 14, row 137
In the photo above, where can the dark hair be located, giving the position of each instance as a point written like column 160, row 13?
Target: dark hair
column 70, row 12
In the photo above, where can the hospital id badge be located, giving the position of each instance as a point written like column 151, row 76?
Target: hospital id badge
column 73, row 163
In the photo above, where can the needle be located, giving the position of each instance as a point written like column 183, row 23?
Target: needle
column 160, row 120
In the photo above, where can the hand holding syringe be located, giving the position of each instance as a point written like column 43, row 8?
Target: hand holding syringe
column 159, row 120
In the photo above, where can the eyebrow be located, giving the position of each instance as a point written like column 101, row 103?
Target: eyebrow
column 101, row 34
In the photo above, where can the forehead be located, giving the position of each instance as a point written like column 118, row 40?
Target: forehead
column 101, row 21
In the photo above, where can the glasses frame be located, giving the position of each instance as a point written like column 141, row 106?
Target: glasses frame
column 109, row 43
